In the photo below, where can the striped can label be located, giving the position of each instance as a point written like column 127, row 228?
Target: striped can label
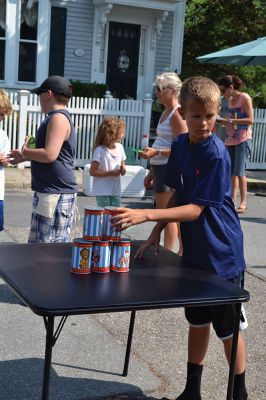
column 120, row 256
column 100, row 258
column 93, row 221
column 81, row 256
column 109, row 231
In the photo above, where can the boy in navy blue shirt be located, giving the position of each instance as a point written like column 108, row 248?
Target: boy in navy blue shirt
column 199, row 171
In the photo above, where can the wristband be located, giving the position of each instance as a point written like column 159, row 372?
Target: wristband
column 160, row 154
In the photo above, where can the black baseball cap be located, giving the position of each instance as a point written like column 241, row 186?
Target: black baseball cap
column 55, row 83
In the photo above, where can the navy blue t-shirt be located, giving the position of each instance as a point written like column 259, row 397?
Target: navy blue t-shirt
column 201, row 174
column 57, row 177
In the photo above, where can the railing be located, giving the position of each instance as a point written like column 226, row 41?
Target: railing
column 87, row 114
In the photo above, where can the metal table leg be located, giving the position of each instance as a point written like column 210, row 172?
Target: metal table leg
column 231, row 378
column 129, row 341
column 48, row 357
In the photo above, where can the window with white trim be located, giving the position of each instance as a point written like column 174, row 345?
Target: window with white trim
column 28, row 40
column 2, row 38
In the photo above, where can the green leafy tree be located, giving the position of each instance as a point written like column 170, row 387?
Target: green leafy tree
column 215, row 25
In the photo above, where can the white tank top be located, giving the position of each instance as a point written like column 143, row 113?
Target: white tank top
column 164, row 138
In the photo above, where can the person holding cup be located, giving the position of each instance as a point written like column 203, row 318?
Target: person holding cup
column 169, row 127
column 238, row 134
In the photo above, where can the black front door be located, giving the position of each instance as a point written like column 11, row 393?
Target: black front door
column 122, row 61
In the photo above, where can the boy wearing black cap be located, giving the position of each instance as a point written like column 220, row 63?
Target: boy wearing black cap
column 53, row 177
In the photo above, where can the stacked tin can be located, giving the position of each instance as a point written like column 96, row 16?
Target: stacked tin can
column 120, row 256
column 93, row 222
column 109, row 231
column 81, row 256
column 101, row 244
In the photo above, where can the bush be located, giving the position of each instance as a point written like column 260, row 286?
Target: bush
column 93, row 89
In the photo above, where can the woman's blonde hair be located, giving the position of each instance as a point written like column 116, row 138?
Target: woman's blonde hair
column 168, row 80
column 5, row 105
column 108, row 131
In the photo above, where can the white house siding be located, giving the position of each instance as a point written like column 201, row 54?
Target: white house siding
column 164, row 46
column 79, row 33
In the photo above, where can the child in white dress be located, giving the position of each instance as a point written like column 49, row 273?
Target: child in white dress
column 5, row 109
column 108, row 162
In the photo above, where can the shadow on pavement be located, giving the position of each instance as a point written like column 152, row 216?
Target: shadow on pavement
column 7, row 296
column 22, row 379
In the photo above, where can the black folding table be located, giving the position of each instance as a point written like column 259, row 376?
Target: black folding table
column 40, row 276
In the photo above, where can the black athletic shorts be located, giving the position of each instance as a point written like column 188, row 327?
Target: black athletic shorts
column 221, row 317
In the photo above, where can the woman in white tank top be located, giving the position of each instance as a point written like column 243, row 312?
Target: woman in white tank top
column 170, row 125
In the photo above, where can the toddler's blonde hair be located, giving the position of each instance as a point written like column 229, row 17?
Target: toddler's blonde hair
column 5, row 105
column 108, row 131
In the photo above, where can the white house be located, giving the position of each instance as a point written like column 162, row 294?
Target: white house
column 123, row 43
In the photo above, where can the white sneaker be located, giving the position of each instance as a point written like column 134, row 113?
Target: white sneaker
column 243, row 319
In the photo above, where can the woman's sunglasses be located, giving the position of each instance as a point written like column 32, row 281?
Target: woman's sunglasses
column 161, row 89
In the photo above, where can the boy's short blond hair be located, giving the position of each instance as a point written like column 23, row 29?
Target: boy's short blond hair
column 5, row 105
column 168, row 80
column 200, row 89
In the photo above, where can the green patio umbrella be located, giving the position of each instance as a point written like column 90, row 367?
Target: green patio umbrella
column 250, row 53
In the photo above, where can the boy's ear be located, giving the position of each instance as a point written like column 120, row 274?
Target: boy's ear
column 181, row 112
column 49, row 94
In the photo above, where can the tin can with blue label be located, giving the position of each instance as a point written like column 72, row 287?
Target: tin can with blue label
column 81, row 256
column 100, row 258
column 109, row 231
column 120, row 257
column 93, row 221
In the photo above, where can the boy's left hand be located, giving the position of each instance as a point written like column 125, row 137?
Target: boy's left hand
column 128, row 217
column 15, row 156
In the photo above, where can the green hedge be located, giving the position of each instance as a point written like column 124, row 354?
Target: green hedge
column 93, row 89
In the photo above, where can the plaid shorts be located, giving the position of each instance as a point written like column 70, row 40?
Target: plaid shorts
column 56, row 229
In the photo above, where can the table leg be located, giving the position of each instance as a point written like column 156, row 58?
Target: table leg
column 48, row 357
column 231, row 378
column 129, row 341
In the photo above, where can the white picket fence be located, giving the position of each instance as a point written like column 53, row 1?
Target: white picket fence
column 258, row 153
column 87, row 114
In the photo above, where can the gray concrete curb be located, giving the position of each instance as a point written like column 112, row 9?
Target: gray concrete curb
column 17, row 178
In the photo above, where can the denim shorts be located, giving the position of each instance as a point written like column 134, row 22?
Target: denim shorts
column 221, row 317
column 158, row 174
column 239, row 155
